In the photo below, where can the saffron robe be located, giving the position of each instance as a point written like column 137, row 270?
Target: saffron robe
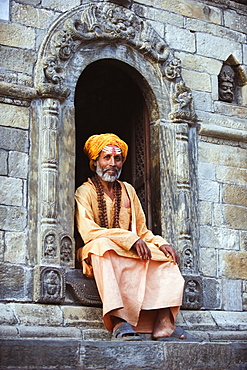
column 129, row 287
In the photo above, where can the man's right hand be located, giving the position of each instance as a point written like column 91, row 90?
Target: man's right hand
column 142, row 250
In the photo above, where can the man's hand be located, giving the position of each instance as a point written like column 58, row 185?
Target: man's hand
column 168, row 251
column 142, row 250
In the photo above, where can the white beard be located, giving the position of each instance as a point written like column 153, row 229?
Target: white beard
column 106, row 176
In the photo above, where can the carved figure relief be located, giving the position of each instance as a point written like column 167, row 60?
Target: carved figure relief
column 50, row 247
column 182, row 103
column 192, row 293
column 66, row 249
column 226, row 83
column 188, row 259
column 52, row 285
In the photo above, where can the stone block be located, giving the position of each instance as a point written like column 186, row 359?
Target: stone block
column 210, row 237
column 158, row 15
column 60, row 5
column 211, row 294
column 205, row 213
column 31, row 16
column 199, row 63
column 15, row 247
column 197, row 80
column 236, row 195
column 83, row 316
column 206, row 171
column 18, row 60
column 234, row 265
column 15, row 283
column 243, row 241
column 231, row 110
column 222, row 155
column 13, row 218
column 232, row 295
column 209, row 190
column 21, row 36
column 31, row 2
column 7, row 331
column 202, row 101
column 3, row 162
column 235, row 21
column 230, row 320
column 245, row 53
column 217, row 47
column 11, row 191
column 7, row 315
column 14, row 116
column 208, row 261
column 14, row 139
column 217, row 215
column 48, row 332
column 1, row 246
column 198, row 319
column 230, row 239
column 38, row 314
column 96, row 334
column 4, row 10
column 231, row 175
column 18, row 165
column 49, row 284
column 214, row 29
column 180, row 39
column 235, row 217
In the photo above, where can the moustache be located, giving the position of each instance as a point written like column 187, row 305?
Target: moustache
column 110, row 168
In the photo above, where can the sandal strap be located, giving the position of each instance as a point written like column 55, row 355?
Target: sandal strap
column 124, row 329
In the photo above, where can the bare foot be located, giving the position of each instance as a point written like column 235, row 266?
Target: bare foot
column 164, row 325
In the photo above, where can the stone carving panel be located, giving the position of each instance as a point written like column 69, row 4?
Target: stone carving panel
column 66, row 250
column 49, row 284
column 192, row 299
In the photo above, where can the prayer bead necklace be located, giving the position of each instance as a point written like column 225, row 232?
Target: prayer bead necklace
column 102, row 203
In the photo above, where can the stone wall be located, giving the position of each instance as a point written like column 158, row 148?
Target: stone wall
column 203, row 35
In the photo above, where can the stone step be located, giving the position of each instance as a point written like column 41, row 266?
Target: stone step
column 75, row 354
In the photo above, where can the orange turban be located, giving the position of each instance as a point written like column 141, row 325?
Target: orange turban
column 96, row 143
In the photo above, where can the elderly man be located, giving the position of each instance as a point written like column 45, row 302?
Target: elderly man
column 136, row 272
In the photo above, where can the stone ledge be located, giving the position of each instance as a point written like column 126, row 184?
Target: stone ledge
column 106, row 355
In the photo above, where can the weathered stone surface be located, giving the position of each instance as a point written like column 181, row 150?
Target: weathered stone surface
column 21, row 37
column 202, row 101
column 222, row 155
column 205, row 213
column 209, row 190
column 202, row 320
column 208, row 261
column 206, row 171
column 213, row 29
column 49, row 332
column 197, row 80
column 212, row 294
column 15, row 283
column 30, row 2
column 18, row 165
column 230, row 109
column 16, row 247
column 243, row 240
column 217, row 47
column 11, row 191
column 1, row 246
column 217, row 214
column 235, row 265
column 235, row 21
column 7, row 315
column 232, row 295
column 158, row 15
column 14, row 116
column 231, row 175
column 199, row 63
column 14, row 139
column 4, row 10
column 235, row 195
column 82, row 315
column 228, row 320
column 17, row 60
column 60, row 5
column 235, row 217
column 3, row 162
column 13, row 218
column 180, row 39
column 36, row 314
column 33, row 17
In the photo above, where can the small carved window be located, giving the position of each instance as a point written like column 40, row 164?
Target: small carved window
column 232, row 83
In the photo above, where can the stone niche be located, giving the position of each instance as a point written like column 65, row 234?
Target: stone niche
column 89, row 33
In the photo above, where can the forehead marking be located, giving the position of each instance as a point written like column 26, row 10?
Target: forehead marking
column 113, row 150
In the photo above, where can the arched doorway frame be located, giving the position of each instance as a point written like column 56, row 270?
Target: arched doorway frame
column 86, row 34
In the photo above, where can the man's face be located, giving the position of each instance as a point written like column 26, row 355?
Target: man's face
column 109, row 163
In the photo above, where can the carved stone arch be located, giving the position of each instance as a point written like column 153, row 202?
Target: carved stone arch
column 89, row 33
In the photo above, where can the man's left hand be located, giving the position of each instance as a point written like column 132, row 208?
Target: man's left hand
column 168, row 251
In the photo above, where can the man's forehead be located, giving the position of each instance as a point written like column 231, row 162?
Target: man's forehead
column 112, row 150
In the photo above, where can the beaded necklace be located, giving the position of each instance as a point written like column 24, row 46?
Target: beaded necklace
column 102, row 203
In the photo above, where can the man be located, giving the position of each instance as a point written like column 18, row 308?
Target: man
column 136, row 272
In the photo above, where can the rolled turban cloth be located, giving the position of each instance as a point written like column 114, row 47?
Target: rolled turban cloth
column 96, row 143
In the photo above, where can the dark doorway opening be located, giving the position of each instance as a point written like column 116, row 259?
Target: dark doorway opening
column 109, row 99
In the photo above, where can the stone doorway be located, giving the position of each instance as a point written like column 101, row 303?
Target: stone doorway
column 108, row 99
